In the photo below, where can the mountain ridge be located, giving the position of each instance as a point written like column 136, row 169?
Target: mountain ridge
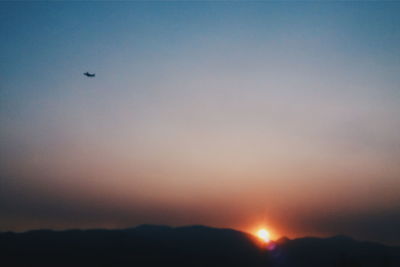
column 193, row 245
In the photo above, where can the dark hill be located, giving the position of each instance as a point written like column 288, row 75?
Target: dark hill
column 150, row 245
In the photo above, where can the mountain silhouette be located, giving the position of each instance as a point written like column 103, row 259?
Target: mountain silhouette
column 151, row 245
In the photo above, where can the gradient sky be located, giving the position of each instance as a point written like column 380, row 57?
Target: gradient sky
column 228, row 114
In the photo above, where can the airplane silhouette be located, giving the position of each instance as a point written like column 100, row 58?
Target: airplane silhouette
column 90, row 75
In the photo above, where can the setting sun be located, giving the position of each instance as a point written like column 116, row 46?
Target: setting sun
column 264, row 235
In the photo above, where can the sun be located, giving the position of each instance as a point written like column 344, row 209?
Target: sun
column 264, row 235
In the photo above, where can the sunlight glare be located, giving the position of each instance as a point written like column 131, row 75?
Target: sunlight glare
column 263, row 235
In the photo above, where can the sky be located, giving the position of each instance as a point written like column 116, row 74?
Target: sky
column 284, row 115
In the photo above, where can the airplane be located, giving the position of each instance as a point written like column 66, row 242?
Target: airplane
column 90, row 75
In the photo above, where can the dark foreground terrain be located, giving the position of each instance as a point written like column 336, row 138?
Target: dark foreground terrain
column 184, row 246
